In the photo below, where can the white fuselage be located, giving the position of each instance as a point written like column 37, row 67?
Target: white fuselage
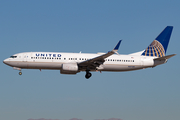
column 72, row 63
column 55, row 60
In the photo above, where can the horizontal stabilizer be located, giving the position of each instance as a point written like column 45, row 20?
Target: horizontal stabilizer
column 165, row 57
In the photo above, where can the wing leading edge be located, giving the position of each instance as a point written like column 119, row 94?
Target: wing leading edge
column 97, row 61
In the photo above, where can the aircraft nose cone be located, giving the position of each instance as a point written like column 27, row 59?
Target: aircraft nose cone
column 5, row 61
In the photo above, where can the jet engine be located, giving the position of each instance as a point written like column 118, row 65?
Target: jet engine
column 69, row 68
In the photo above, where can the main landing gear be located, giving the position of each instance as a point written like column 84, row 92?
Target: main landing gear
column 88, row 74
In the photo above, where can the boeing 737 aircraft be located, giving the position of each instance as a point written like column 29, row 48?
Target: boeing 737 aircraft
column 72, row 63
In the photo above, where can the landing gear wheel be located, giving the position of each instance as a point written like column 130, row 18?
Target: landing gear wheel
column 20, row 73
column 88, row 75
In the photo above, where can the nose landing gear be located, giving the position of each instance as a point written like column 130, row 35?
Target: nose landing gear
column 20, row 73
column 16, row 68
column 88, row 75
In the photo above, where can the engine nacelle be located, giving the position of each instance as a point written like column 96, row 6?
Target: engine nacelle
column 69, row 68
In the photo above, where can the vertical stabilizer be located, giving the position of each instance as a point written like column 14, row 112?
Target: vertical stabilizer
column 159, row 46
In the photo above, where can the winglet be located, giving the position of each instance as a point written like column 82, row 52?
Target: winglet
column 117, row 46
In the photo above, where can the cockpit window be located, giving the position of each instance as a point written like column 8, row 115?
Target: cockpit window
column 13, row 57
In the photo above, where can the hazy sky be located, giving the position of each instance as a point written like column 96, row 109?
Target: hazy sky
column 88, row 26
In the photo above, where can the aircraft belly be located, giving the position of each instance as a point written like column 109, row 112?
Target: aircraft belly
column 44, row 65
column 36, row 65
column 120, row 67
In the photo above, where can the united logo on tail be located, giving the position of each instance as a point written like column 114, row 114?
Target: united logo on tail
column 154, row 49
column 159, row 46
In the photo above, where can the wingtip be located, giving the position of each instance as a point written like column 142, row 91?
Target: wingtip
column 117, row 46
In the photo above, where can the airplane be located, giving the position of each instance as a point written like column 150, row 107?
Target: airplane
column 73, row 63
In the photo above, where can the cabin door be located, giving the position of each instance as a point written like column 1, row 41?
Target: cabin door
column 142, row 61
column 25, row 57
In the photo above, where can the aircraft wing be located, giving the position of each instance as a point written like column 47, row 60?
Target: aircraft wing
column 97, row 61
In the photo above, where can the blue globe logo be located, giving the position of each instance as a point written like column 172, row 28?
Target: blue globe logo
column 155, row 49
